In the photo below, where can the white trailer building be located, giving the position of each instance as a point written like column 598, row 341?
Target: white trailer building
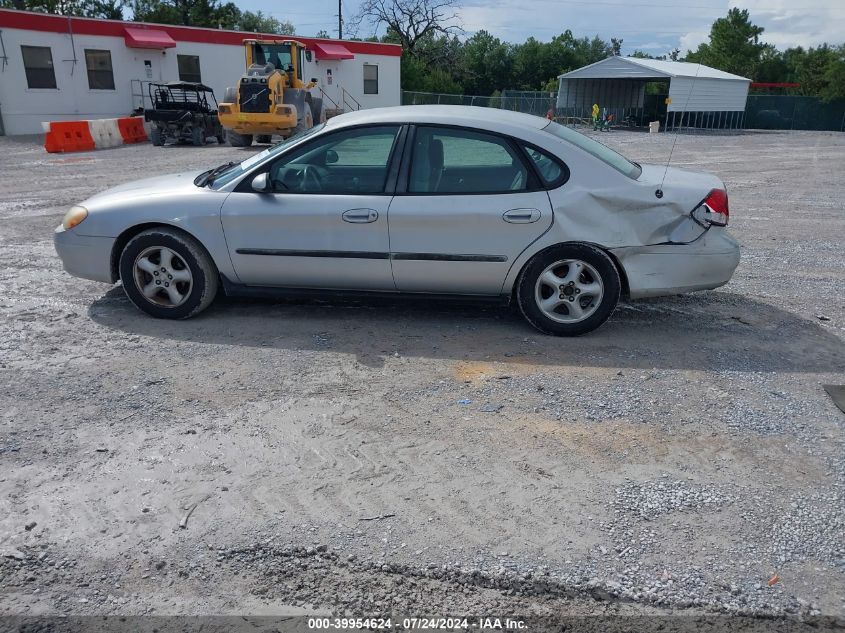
column 698, row 96
column 56, row 68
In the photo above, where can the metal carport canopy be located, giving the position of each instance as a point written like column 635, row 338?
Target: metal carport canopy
column 692, row 87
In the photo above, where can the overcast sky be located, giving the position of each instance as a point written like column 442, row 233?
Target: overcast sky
column 655, row 26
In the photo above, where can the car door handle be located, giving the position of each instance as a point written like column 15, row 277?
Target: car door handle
column 360, row 216
column 521, row 216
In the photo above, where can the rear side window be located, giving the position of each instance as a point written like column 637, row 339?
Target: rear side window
column 446, row 160
column 552, row 172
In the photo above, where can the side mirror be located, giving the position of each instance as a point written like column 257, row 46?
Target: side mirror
column 331, row 157
column 261, row 183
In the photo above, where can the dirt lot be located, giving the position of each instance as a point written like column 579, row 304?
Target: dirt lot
column 685, row 456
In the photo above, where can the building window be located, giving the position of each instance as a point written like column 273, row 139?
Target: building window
column 100, row 75
column 38, row 64
column 189, row 68
column 370, row 79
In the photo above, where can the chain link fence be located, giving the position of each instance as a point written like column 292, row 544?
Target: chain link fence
column 538, row 103
column 763, row 112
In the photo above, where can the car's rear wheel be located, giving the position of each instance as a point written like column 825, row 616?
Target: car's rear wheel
column 569, row 289
column 168, row 274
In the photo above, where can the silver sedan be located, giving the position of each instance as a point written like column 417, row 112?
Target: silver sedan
column 431, row 200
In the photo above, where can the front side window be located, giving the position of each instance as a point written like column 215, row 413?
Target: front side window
column 346, row 162
column 464, row 161
column 370, row 79
column 38, row 64
column 100, row 75
column 189, row 68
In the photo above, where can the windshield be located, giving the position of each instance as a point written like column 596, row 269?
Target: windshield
column 276, row 54
column 602, row 152
column 237, row 170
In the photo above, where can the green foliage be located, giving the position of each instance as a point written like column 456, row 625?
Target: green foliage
column 258, row 22
column 111, row 9
column 207, row 13
column 734, row 46
column 487, row 64
column 835, row 76
column 435, row 60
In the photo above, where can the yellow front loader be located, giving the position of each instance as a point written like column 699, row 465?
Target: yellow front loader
column 271, row 98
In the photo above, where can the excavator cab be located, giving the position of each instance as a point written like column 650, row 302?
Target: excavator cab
column 271, row 97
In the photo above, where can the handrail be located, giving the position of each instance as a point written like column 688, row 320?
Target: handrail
column 325, row 96
column 354, row 100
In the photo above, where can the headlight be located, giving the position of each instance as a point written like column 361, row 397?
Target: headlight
column 74, row 216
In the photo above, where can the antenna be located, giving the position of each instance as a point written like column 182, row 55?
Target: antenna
column 659, row 192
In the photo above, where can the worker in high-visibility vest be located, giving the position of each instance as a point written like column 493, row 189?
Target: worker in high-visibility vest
column 595, row 116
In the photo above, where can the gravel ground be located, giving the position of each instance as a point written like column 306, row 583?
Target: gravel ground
column 376, row 457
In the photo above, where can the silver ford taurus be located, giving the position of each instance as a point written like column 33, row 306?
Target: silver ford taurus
column 430, row 200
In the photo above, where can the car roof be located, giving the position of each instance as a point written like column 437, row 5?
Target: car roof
column 185, row 85
column 469, row 116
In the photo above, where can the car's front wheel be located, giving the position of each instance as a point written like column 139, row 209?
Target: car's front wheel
column 168, row 274
column 569, row 289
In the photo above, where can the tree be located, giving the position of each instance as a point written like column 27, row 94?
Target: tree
column 734, row 46
column 616, row 46
column 110, row 9
column 258, row 22
column 835, row 76
column 323, row 34
column 488, row 64
column 411, row 20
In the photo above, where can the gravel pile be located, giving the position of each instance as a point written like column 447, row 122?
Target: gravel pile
column 652, row 499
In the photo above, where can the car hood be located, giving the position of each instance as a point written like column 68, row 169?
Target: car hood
column 156, row 186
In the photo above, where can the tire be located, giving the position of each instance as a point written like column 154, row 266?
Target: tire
column 239, row 140
column 582, row 276
column 156, row 137
column 221, row 138
column 264, row 138
column 188, row 259
column 198, row 136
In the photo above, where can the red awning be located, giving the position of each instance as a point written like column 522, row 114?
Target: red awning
column 332, row 51
column 147, row 38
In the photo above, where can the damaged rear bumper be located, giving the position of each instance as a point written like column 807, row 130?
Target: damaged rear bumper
column 653, row 271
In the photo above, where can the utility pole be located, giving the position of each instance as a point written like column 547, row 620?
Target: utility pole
column 340, row 19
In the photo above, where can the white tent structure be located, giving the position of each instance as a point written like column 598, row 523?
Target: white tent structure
column 698, row 96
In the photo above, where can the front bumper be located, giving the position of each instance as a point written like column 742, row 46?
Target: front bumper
column 281, row 122
column 654, row 271
column 84, row 256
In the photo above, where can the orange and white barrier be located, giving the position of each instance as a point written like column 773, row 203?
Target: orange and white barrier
column 81, row 136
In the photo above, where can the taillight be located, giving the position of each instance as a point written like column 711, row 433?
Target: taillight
column 713, row 210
